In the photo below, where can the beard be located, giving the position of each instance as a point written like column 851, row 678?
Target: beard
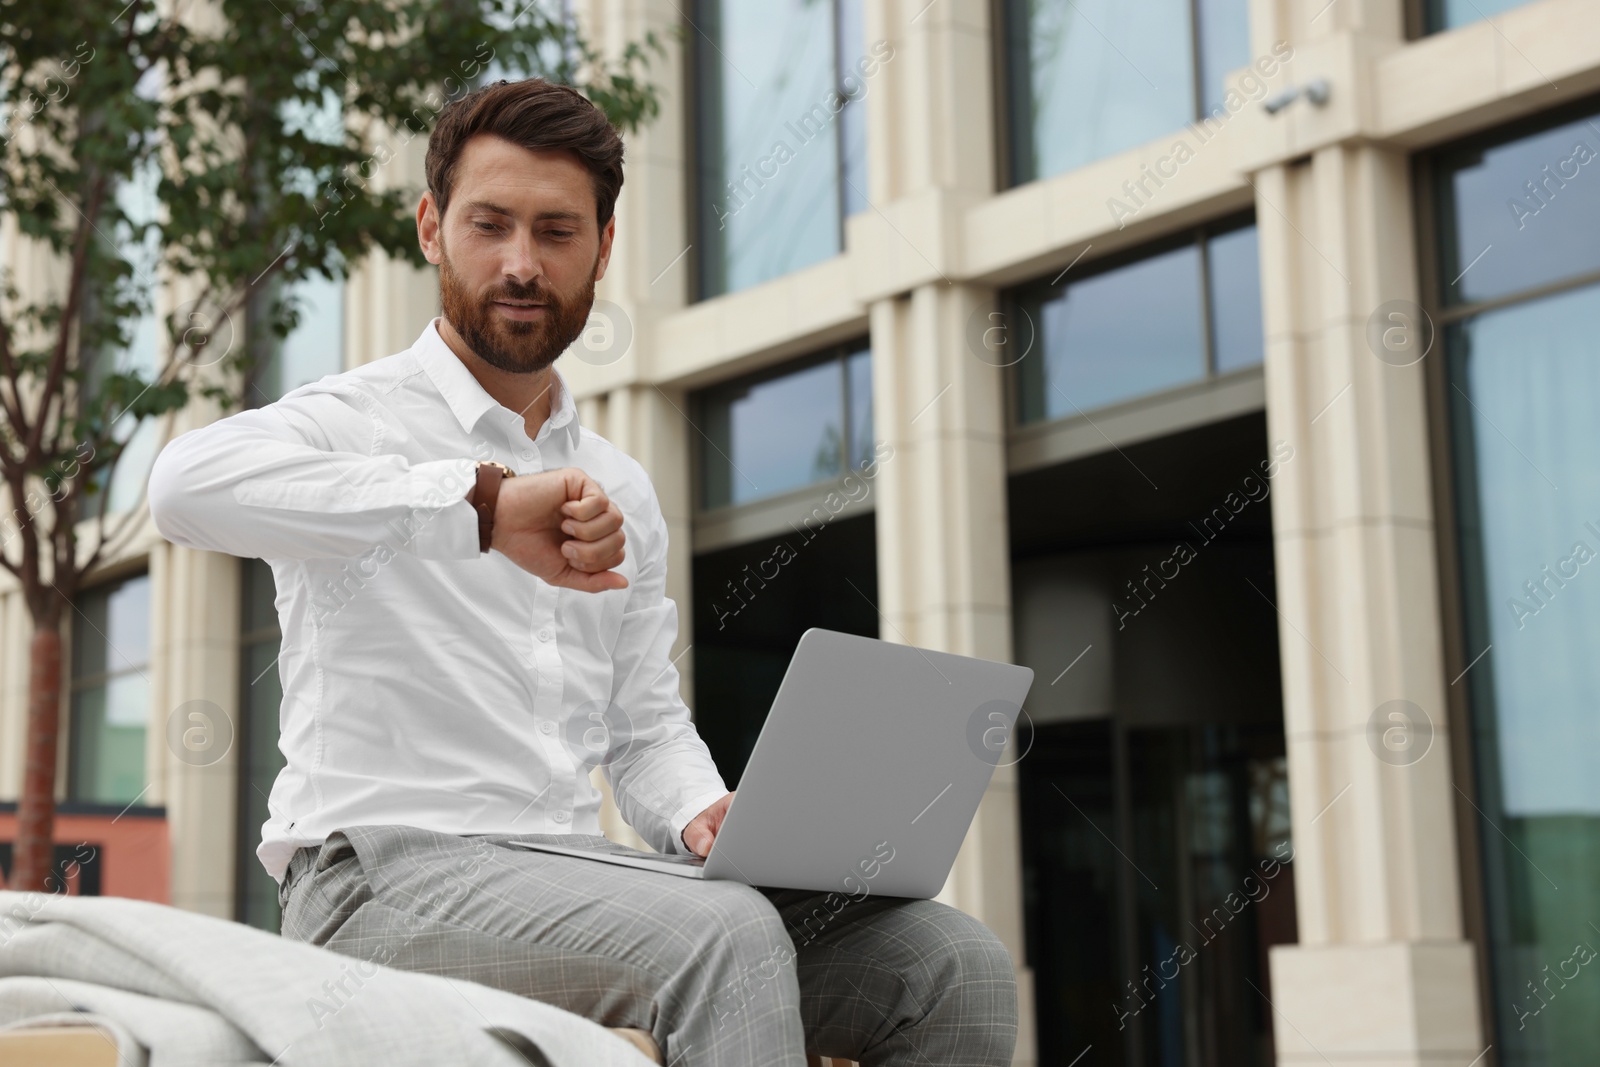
column 519, row 347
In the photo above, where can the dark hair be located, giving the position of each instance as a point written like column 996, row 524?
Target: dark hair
column 532, row 113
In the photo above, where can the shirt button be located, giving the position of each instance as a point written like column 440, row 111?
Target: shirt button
column 560, row 816
column 546, row 634
column 547, row 728
column 526, row 453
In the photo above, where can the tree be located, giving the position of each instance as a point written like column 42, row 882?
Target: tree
column 263, row 129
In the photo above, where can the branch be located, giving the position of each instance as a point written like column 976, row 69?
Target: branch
column 13, row 400
column 69, row 314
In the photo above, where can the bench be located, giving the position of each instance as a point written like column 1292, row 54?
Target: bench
column 89, row 1046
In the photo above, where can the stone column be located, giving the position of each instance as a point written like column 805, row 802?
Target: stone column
column 943, row 547
column 194, row 659
column 944, row 567
column 1381, row 972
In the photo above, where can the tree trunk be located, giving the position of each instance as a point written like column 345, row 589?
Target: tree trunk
column 33, row 853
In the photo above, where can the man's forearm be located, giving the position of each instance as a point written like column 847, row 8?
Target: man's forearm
column 249, row 486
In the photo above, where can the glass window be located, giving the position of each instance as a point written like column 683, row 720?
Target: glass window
column 314, row 348
column 261, row 693
column 1233, row 270
column 134, row 237
column 1207, row 812
column 851, row 52
column 1522, row 379
column 1140, row 328
column 858, row 400
column 1521, row 215
column 1095, row 77
column 751, row 604
column 1448, row 14
column 780, row 154
column 138, row 205
column 110, row 692
column 775, row 433
column 1222, row 39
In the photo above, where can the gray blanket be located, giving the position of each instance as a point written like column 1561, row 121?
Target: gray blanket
column 173, row 989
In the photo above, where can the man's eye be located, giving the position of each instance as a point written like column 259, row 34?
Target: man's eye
column 486, row 227
column 563, row 234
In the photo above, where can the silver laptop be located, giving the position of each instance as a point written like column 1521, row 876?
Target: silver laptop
column 866, row 775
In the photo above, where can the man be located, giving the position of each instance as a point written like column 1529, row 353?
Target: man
column 459, row 651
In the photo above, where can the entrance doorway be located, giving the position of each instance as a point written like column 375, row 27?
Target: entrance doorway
column 751, row 604
column 1158, row 865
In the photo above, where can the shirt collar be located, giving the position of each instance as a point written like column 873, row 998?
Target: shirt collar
column 469, row 400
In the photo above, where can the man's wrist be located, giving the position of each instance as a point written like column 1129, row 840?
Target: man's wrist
column 485, row 499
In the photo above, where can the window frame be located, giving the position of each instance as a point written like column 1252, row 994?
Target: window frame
column 1444, row 469
column 67, row 765
column 1198, row 236
column 695, row 86
column 1417, row 24
column 1003, row 95
column 736, row 515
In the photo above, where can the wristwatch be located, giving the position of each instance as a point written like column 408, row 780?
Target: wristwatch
column 485, row 494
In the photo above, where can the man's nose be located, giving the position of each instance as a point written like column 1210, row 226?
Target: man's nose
column 522, row 263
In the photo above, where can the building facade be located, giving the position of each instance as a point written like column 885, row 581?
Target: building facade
column 1222, row 360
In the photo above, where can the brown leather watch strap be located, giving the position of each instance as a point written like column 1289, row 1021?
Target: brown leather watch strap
column 485, row 495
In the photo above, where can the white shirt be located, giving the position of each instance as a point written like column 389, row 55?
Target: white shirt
column 424, row 683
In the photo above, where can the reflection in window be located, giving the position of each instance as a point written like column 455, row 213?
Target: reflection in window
column 1138, row 329
column 136, row 239
column 314, row 348
column 1521, row 215
column 1449, row 14
column 1207, row 813
column 138, row 201
column 261, row 693
column 1522, row 380
column 315, row 345
column 1533, row 372
column 774, row 433
column 1233, row 269
column 850, row 53
column 110, row 693
column 780, row 140
column 1095, row 77
column 1222, row 41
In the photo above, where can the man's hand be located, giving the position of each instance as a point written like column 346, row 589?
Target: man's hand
column 560, row 526
column 701, row 832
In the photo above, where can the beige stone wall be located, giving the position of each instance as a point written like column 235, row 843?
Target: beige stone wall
column 1383, row 973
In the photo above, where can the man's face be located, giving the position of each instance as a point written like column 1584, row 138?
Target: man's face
column 519, row 250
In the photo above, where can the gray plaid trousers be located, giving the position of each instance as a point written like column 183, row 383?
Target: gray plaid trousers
column 723, row 975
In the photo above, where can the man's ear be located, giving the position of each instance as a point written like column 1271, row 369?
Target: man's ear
column 428, row 229
column 606, row 236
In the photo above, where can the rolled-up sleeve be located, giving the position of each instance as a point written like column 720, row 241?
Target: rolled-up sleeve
column 660, row 770
column 298, row 480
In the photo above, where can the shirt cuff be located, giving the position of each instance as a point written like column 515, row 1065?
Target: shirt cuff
column 685, row 815
column 444, row 525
